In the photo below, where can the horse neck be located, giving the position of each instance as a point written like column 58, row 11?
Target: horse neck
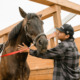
column 22, row 38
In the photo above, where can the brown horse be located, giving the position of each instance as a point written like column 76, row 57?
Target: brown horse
column 29, row 30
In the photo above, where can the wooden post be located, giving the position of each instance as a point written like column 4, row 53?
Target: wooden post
column 5, row 37
column 52, row 43
column 1, row 39
column 57, row 23
column 57, row 17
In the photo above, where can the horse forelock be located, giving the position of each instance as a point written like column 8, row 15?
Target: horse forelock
column 28, row 17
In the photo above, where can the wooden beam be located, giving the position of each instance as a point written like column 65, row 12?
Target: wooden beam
column 57, row 20
column 69, row 6
column 45, row 2
column 47, row 12
column 65, row 5
column 1, row 40
column 7, row 30
column 76, row 28
column 57, row 17
column 5, row 37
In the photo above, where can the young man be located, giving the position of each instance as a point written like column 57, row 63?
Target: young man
column 65, row 55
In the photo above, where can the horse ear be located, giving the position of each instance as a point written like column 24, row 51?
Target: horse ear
column 22, row 12
column 40, row 15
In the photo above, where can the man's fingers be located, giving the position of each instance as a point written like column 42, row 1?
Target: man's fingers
column 19, row 48
column 19, row 45
column 23, row 44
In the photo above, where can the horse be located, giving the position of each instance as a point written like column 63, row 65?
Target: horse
column 29, row 30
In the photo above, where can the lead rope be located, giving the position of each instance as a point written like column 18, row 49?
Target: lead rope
column 15, row 52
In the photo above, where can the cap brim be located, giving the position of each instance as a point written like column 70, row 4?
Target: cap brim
column 60, row 29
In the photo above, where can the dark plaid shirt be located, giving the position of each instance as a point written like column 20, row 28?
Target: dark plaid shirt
column 66, row 60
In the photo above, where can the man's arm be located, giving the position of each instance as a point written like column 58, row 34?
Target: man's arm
column 54, row 53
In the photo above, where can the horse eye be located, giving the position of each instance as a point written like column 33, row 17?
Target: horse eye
column 28, row 22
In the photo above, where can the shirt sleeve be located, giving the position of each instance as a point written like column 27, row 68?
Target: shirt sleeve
column 55, row 53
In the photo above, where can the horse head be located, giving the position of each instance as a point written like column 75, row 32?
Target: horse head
column 33, row 27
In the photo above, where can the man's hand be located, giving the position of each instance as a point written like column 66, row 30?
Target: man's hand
column 23, row 47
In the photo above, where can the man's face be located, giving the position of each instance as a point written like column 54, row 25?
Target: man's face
column 62, row 36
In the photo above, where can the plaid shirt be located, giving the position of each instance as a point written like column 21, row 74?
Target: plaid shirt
column 66, row 60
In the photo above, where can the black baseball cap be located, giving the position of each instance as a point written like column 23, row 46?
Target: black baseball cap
column 67, row 29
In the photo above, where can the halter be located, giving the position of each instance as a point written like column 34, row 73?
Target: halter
column 36, row 38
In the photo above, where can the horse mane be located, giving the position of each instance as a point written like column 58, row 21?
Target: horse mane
column 15, row 31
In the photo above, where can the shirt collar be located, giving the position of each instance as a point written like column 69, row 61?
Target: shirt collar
column 71, row 40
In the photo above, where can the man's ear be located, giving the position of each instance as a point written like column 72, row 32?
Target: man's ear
column 22, row 12
column 67, row 36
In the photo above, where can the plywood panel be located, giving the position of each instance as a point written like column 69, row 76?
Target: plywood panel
column 41, row 77
column 41, row 71
column 41, row 74
column 38, row 63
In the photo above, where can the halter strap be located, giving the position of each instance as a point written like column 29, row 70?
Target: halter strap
column 37, row 37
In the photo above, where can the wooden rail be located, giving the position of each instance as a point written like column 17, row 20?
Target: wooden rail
column 65, row 5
